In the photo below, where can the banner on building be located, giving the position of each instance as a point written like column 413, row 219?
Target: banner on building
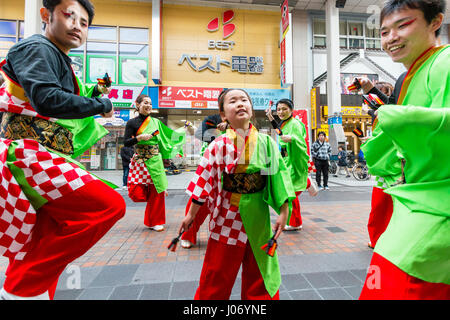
column 188, row 97
column 302, row 115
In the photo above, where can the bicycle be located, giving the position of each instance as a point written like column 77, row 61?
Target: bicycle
column 360, row 171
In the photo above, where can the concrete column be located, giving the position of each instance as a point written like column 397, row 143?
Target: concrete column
column 156, row 40
column 336, row 131
column 33, row 22
column 333, row 58
column 302, row 67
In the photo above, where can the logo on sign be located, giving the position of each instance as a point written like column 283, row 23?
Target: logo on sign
column 167, row 92
column 228, row 28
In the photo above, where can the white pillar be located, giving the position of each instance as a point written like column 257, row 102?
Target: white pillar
column 333, row 58
column 156, row 40
column 336, row 131
column 33, row 22
column 301, row 59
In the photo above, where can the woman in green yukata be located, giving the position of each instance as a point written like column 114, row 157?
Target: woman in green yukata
column 147, row 181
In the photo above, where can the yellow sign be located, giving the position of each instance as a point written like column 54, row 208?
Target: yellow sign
column 347, row 111
column 313, row 108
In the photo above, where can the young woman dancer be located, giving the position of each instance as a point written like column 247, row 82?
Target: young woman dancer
column 147, row 179
column 241, row 174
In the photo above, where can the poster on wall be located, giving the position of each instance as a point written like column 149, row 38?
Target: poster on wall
column 77, row 66
column 347, row 79
column 133, row 71
column 98, row 66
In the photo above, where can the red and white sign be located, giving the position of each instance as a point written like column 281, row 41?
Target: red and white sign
column 302, row 115
column 188, row 97
column 284, row 16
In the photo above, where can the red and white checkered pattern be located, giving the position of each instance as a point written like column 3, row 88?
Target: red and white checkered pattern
column 226, row 224
column 138, row 173
column 47, row 173
column 18, row 216
column 311, row 166
column 10, row 103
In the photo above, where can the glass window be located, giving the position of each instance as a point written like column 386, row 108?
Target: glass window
column 319, row 27
column 343, row 42
column 133, row 71
column 7, row 42
column 320, row 42
column 372, row 32
column 133, row 35
column 99, row 65
column 343, row 28
column 101, row 48
column 356, row 43
column 8, row 28
column 136, row 50
column 102, row 33
column 355, row 29
column 373, row 44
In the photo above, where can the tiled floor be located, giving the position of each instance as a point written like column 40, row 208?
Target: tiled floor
column 325, row 260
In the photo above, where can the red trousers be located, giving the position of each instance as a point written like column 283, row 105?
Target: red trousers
column 380, row 214
column 220, row 269
column 191, row 233
column 155, row 211
column 385, row 281
column 296, row 217
column 65, row 229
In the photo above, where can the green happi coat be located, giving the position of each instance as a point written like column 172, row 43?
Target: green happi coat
column 417, row 239
column 170, row 143
column 297, row 155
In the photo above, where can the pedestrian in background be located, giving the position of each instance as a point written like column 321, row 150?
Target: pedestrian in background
column 321, row 152
column 126, row 153
column 342, row 162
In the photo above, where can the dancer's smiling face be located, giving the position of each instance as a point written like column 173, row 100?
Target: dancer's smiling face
column 405, row 34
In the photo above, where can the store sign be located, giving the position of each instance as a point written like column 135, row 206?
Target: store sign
column 302, row 115
column 119, row 118
column 261, row 97
column 241, row 64
column 188, row 97
column 285, row 17
column 124, row 96
column 314, row 95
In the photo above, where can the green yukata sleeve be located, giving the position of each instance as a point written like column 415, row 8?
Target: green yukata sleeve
column 279, row 187
column 170, row 141
column 417, row 239
column 86, row 132
column 297, row 159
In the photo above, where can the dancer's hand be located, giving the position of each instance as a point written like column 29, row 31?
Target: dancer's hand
column 366, row 84
column 108, row 114
column 144, row 137
column 186, row 223
column 280, row 223
column 269, row 114
column 222, row 126
column 103, row 89
column 286, row 138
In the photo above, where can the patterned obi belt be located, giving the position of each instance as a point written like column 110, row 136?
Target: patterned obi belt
column 145, row 152
column 244, row 182
column 49, row 134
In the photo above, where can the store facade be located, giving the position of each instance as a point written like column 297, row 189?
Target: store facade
column 203, row 51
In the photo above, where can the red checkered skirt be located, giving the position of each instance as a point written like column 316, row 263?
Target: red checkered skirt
column 48, row 174
column 311, row 166
column 226, row 224
column 138, row 173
